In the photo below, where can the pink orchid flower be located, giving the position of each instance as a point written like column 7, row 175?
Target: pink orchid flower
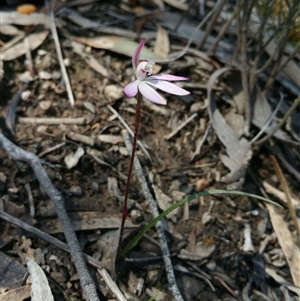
column 144, row 82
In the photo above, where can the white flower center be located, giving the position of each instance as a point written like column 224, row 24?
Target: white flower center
column 144, row 69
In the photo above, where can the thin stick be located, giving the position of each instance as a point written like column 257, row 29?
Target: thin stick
column 45, row 236
column 26, row 120
column 290, row 57
column 242, row 45
column 112, row 285
column 30, row 199
column 140, row 144
column 159, row 225
column 218, row 7
column 59, row 244
column 287, row 193
column 28, row 56
column 176, row 56
column 223, row 31
column 283, row 120
column 51, row 149
column 199, row 146
column 168, row 137
column 136, row 131
column 60, row 56
column 271, row 118
column 19, row 154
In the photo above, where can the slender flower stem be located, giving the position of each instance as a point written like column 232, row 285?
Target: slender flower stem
column 136, row 130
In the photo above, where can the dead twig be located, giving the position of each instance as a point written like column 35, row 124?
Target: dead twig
column 10, row 116
column 286, row 190
column 223, row 31
column 178, row 55
column 168, row 137
column 30, row 199
column 199, row 146
column 246, row 8
column 288, row 24
column 18, row 154
column 290, row 57
column 81, row 138
column 51, row 149
column 32, row 120
column 140, row 144
column 217, row 9
column 59, row 244
column 159, row 226
column 112, row 285
column 282, row 121
column 228, row 288
column 60, row 55
column 270, row 120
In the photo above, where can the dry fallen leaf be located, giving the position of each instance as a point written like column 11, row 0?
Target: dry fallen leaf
column 117, row 44
column 236, row 122
column 282, row 281
column 89, row 59
column 261, row 114
column 9, row 30
column 177, row 4
column 162, row 43
column 21, row 19
column 19, row 49
column 197, row 251
column 165, row 202
column 18, row 294
column 286, row 240
column 238, row 151
column 40, row 289
column 291, row 69
column 108, row 245
column 87, row 220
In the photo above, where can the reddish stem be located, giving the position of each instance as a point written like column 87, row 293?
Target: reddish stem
column 136, row 130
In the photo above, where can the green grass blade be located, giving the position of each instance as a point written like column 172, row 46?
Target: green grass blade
column 136, row 239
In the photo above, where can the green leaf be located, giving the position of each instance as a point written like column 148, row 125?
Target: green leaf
column 136, row 239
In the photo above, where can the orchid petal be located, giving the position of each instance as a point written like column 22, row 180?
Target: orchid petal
column 136, row 55
column 168, row 77
column 151, row 94
column 131, row 89
column 166, row 86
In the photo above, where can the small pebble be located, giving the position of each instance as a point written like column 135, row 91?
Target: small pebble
column 75, row 190
column 44, row 75
column 3, row 177
column 211, row 265
column 95, row 186
column 136, row 215
column 45, row 105
column 42, row 52
column 56, row 75
column 59, row 277
column 67, row 62
column 255, row 212
column 26, row 77
column 25, row 95
column 90, row 107
column 153, row 277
